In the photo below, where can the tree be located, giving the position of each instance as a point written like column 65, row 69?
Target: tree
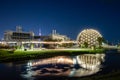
column 100, row 40
column 85, row 44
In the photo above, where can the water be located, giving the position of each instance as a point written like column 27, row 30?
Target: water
column 61, row 67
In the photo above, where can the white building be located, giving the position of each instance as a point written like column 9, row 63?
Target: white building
column 18, row 35
column 56, row 36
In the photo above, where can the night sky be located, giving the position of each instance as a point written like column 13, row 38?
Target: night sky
column 68, row 17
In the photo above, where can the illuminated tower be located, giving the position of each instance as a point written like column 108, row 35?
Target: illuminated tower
column 40, row 32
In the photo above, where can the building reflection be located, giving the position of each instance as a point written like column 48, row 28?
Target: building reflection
column 89, row 63
column 54, row 60
column 75, row 66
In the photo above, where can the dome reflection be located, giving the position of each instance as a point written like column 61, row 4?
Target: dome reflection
column 89, row 63
column 75, row 66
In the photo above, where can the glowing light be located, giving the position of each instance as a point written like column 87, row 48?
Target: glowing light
column 60, row 60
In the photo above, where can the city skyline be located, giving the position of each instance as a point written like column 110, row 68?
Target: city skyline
column 67, row 17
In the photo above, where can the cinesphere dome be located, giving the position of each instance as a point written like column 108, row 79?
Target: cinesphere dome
column 90, row 36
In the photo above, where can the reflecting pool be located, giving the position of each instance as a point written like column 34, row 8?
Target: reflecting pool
column 70, row 66
column 60, row 66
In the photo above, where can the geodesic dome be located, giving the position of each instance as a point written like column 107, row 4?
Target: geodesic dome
column 90, row 36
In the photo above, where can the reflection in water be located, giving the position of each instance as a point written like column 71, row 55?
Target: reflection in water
column 75, row 66
column 89, row 63
column 54, row 60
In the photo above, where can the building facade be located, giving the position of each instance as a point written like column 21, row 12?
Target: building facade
column 18, row 35
column 58, row 37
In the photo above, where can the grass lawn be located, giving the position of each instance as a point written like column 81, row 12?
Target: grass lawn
column 17, row 55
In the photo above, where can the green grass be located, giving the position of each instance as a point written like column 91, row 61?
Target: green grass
column 7, row 55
